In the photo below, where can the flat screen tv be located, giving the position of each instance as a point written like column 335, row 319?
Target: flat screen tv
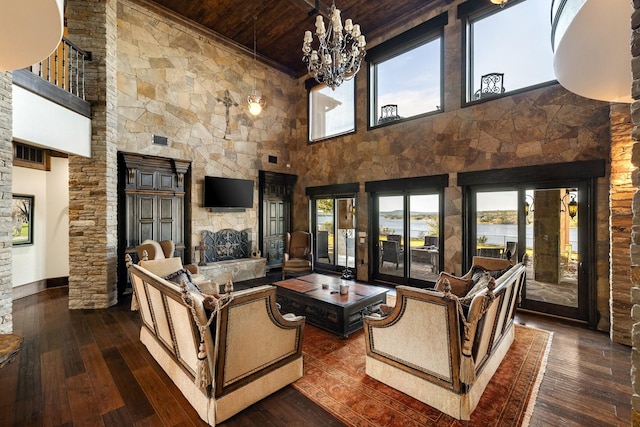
column 227, row 193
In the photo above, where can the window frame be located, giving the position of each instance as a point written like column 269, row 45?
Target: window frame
column 416, row 37
column 467, row 12
column 311, row 84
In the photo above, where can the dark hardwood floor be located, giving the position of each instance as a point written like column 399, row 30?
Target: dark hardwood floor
column 88, row 367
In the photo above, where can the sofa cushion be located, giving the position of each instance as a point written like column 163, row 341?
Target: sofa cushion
column 459, row 286
column 183, row 275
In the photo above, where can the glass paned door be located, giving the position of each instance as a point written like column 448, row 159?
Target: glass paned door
column 554, row 252
column 391, row 235
column 325, row 236
column 497, row 224
column 408, row 239
column 424, row 237
column 335, row 223
column 542, row 228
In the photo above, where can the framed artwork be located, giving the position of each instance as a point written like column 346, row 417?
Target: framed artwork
column 22, row 214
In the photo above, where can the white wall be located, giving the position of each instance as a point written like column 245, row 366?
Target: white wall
column 39, row 121
column 48, row 257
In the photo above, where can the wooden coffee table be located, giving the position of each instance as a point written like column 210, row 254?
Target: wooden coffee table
column 327, row 308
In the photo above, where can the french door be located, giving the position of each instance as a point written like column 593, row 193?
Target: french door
column 406, row 234
column 334, row 226
column 546, row 228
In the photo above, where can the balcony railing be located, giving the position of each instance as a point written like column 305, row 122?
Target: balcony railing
column 64, row 68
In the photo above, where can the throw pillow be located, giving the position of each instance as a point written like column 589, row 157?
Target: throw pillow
column 459, row 287
column 497, row 273
column 183, row 275
column 478, row 287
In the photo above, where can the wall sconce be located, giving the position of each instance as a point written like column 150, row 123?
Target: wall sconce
column 528, row 206
column 572, row 206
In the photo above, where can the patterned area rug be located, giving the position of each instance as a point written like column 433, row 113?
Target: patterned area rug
column 334, row 378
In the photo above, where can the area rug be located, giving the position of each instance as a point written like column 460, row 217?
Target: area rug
column 335, row 378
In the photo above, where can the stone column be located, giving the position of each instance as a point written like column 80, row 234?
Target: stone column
column 635, row 233
column 621, row 193
column 6, row 166
column 546, row 236
column 93, row 181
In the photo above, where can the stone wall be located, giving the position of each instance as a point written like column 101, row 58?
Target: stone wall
column 6, row 164
column 540, row 126
column 635, row 235
column 177, row 80
column 93, row 181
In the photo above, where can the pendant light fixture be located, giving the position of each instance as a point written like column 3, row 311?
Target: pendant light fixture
column 255, row 101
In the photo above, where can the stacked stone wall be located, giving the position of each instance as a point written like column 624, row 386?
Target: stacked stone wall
column 635, row 235
column 620, row 198
column 93, row 181
column 6, row 165
column 177, row 80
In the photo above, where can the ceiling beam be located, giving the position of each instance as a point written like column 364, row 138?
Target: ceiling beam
column 313, row 6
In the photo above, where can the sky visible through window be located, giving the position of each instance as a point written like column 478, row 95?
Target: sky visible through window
column 411, row 80
column 515, row 41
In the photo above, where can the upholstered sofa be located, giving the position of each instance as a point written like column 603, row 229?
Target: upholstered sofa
column 435, row 348
column 248, row 351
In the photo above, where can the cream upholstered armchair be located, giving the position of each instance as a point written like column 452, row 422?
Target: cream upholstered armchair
column 298, row 255
column 165, row 249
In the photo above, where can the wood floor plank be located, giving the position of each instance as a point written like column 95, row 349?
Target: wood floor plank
column 119, row 417
column 104, row 387
column 29, row 390
column 56, row 409
column 162, row 398
column 82, row 401
column 136, row 401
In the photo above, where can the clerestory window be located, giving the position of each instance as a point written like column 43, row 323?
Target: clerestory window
column 507, row 49
column 405, row 74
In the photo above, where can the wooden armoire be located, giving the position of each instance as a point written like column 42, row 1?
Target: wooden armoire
column 153, row 203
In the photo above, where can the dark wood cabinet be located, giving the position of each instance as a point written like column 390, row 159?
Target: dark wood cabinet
column 152, row 204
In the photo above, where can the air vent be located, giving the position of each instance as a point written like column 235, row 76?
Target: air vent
column 160, row 140
column 273, row 159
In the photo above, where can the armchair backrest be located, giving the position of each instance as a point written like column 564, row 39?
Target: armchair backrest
column 153, row 248
column 298, row 244
column 162, row 267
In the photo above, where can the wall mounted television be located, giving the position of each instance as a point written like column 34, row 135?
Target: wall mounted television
column 227, row 194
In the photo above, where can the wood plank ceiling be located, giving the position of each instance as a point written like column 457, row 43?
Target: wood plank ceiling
column 280, row 24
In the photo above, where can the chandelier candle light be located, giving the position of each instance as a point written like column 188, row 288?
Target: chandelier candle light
column 339, row 54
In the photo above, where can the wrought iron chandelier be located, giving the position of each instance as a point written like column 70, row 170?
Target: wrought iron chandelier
column 338, row 54
column 255, row 101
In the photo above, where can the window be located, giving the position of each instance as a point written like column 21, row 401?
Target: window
column 331, row 112
column 405, row 74
column 30, row 157
column 509, row 47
